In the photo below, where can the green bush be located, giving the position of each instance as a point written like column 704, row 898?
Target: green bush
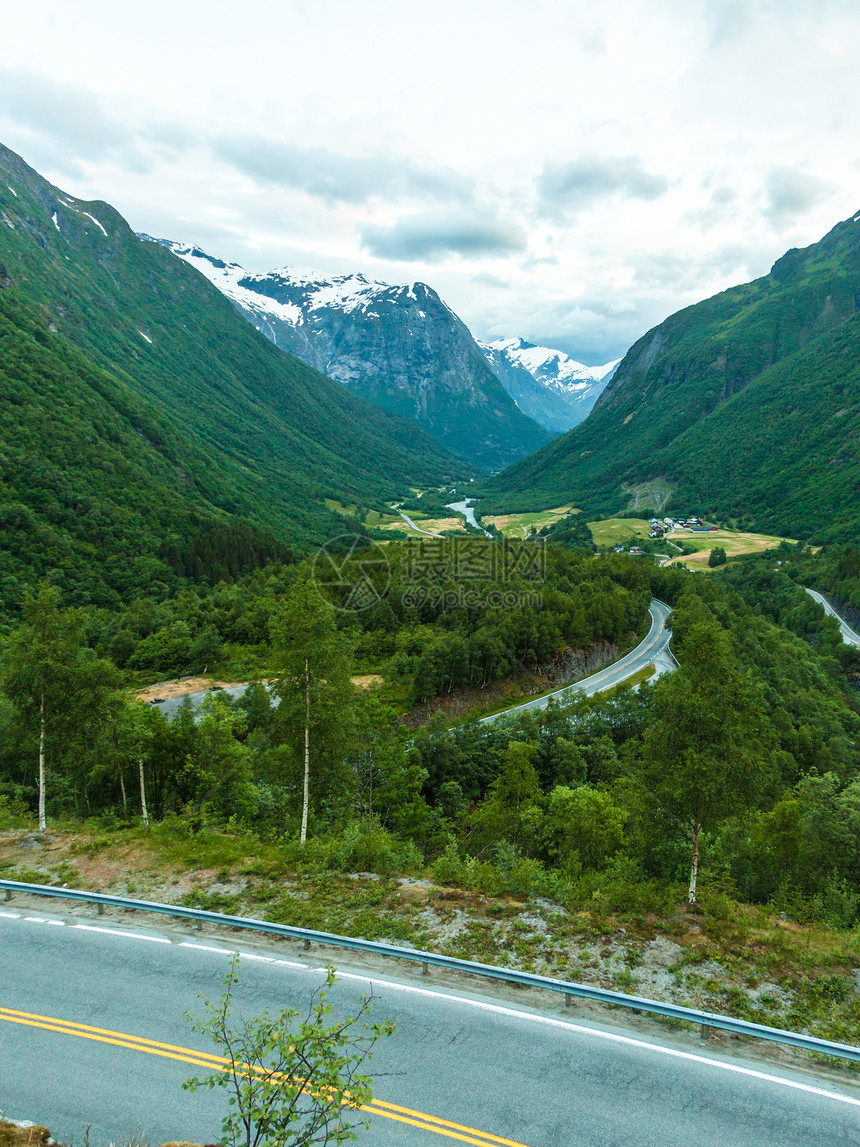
column 368, row 847
column 836, row 904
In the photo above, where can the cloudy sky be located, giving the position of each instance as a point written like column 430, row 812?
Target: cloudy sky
column 555, row 173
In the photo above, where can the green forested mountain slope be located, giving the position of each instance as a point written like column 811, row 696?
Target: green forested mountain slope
column 255, row 433
column 745, row 406
column 97, row 493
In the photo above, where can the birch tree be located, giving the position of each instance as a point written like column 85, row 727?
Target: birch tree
column 133, row 732
column 315, row 694
column 704, row 758
column 59, row 689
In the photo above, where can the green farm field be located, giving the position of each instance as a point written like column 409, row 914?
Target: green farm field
column 520, row 525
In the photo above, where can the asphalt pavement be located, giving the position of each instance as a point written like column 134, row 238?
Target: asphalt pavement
column 849, row 636
column 652, row 650
column 171, row 707
column 80, row 996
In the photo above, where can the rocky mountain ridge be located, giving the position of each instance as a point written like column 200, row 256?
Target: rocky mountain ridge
column 400, row 346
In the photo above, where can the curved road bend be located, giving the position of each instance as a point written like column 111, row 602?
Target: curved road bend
column 652, row 650
column 79, row 999
column 849, row 636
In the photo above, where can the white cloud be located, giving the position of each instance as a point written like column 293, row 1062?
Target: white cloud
column 338, row 178
column 579, row 183
column 791, row 193
column 617, row 166
column 434, row 236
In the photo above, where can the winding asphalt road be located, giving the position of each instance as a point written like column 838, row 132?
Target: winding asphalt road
column 848, row 634
column 652, row 650
column 92, row 1036
column 171, row 707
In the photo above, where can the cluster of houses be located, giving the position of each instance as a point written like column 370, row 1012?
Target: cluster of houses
column 667, row 525
column 660, row 527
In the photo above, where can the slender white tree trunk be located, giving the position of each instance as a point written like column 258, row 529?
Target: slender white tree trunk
column 304, row 833
column 143, row 811
column 43, row 824
column 119, row 771
column 694, row 866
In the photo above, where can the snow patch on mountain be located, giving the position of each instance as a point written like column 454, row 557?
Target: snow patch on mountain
column 553, row 367
column 96, row 222
column 400, row 346
column 230, row 279
column 545, row 383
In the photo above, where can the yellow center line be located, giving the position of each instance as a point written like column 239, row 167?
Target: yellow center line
column 211, row 1062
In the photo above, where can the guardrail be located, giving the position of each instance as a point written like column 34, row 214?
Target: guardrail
column 706, row 1020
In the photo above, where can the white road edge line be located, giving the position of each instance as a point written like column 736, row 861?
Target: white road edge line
column 246, row 955
column 498, row 1009
column 44, row 920
column 611, row 1036
column 10, row 915
column 124, row 935
column 205, row 948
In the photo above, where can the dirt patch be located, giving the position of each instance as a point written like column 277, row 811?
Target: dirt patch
column 365, row 680
column 414, row 893
column 182, row 685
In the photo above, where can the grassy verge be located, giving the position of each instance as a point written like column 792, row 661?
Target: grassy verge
column 631, row 682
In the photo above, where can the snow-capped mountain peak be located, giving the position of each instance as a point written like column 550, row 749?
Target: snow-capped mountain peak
column 399, row 345
column 553, row 366
column 545, row 383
